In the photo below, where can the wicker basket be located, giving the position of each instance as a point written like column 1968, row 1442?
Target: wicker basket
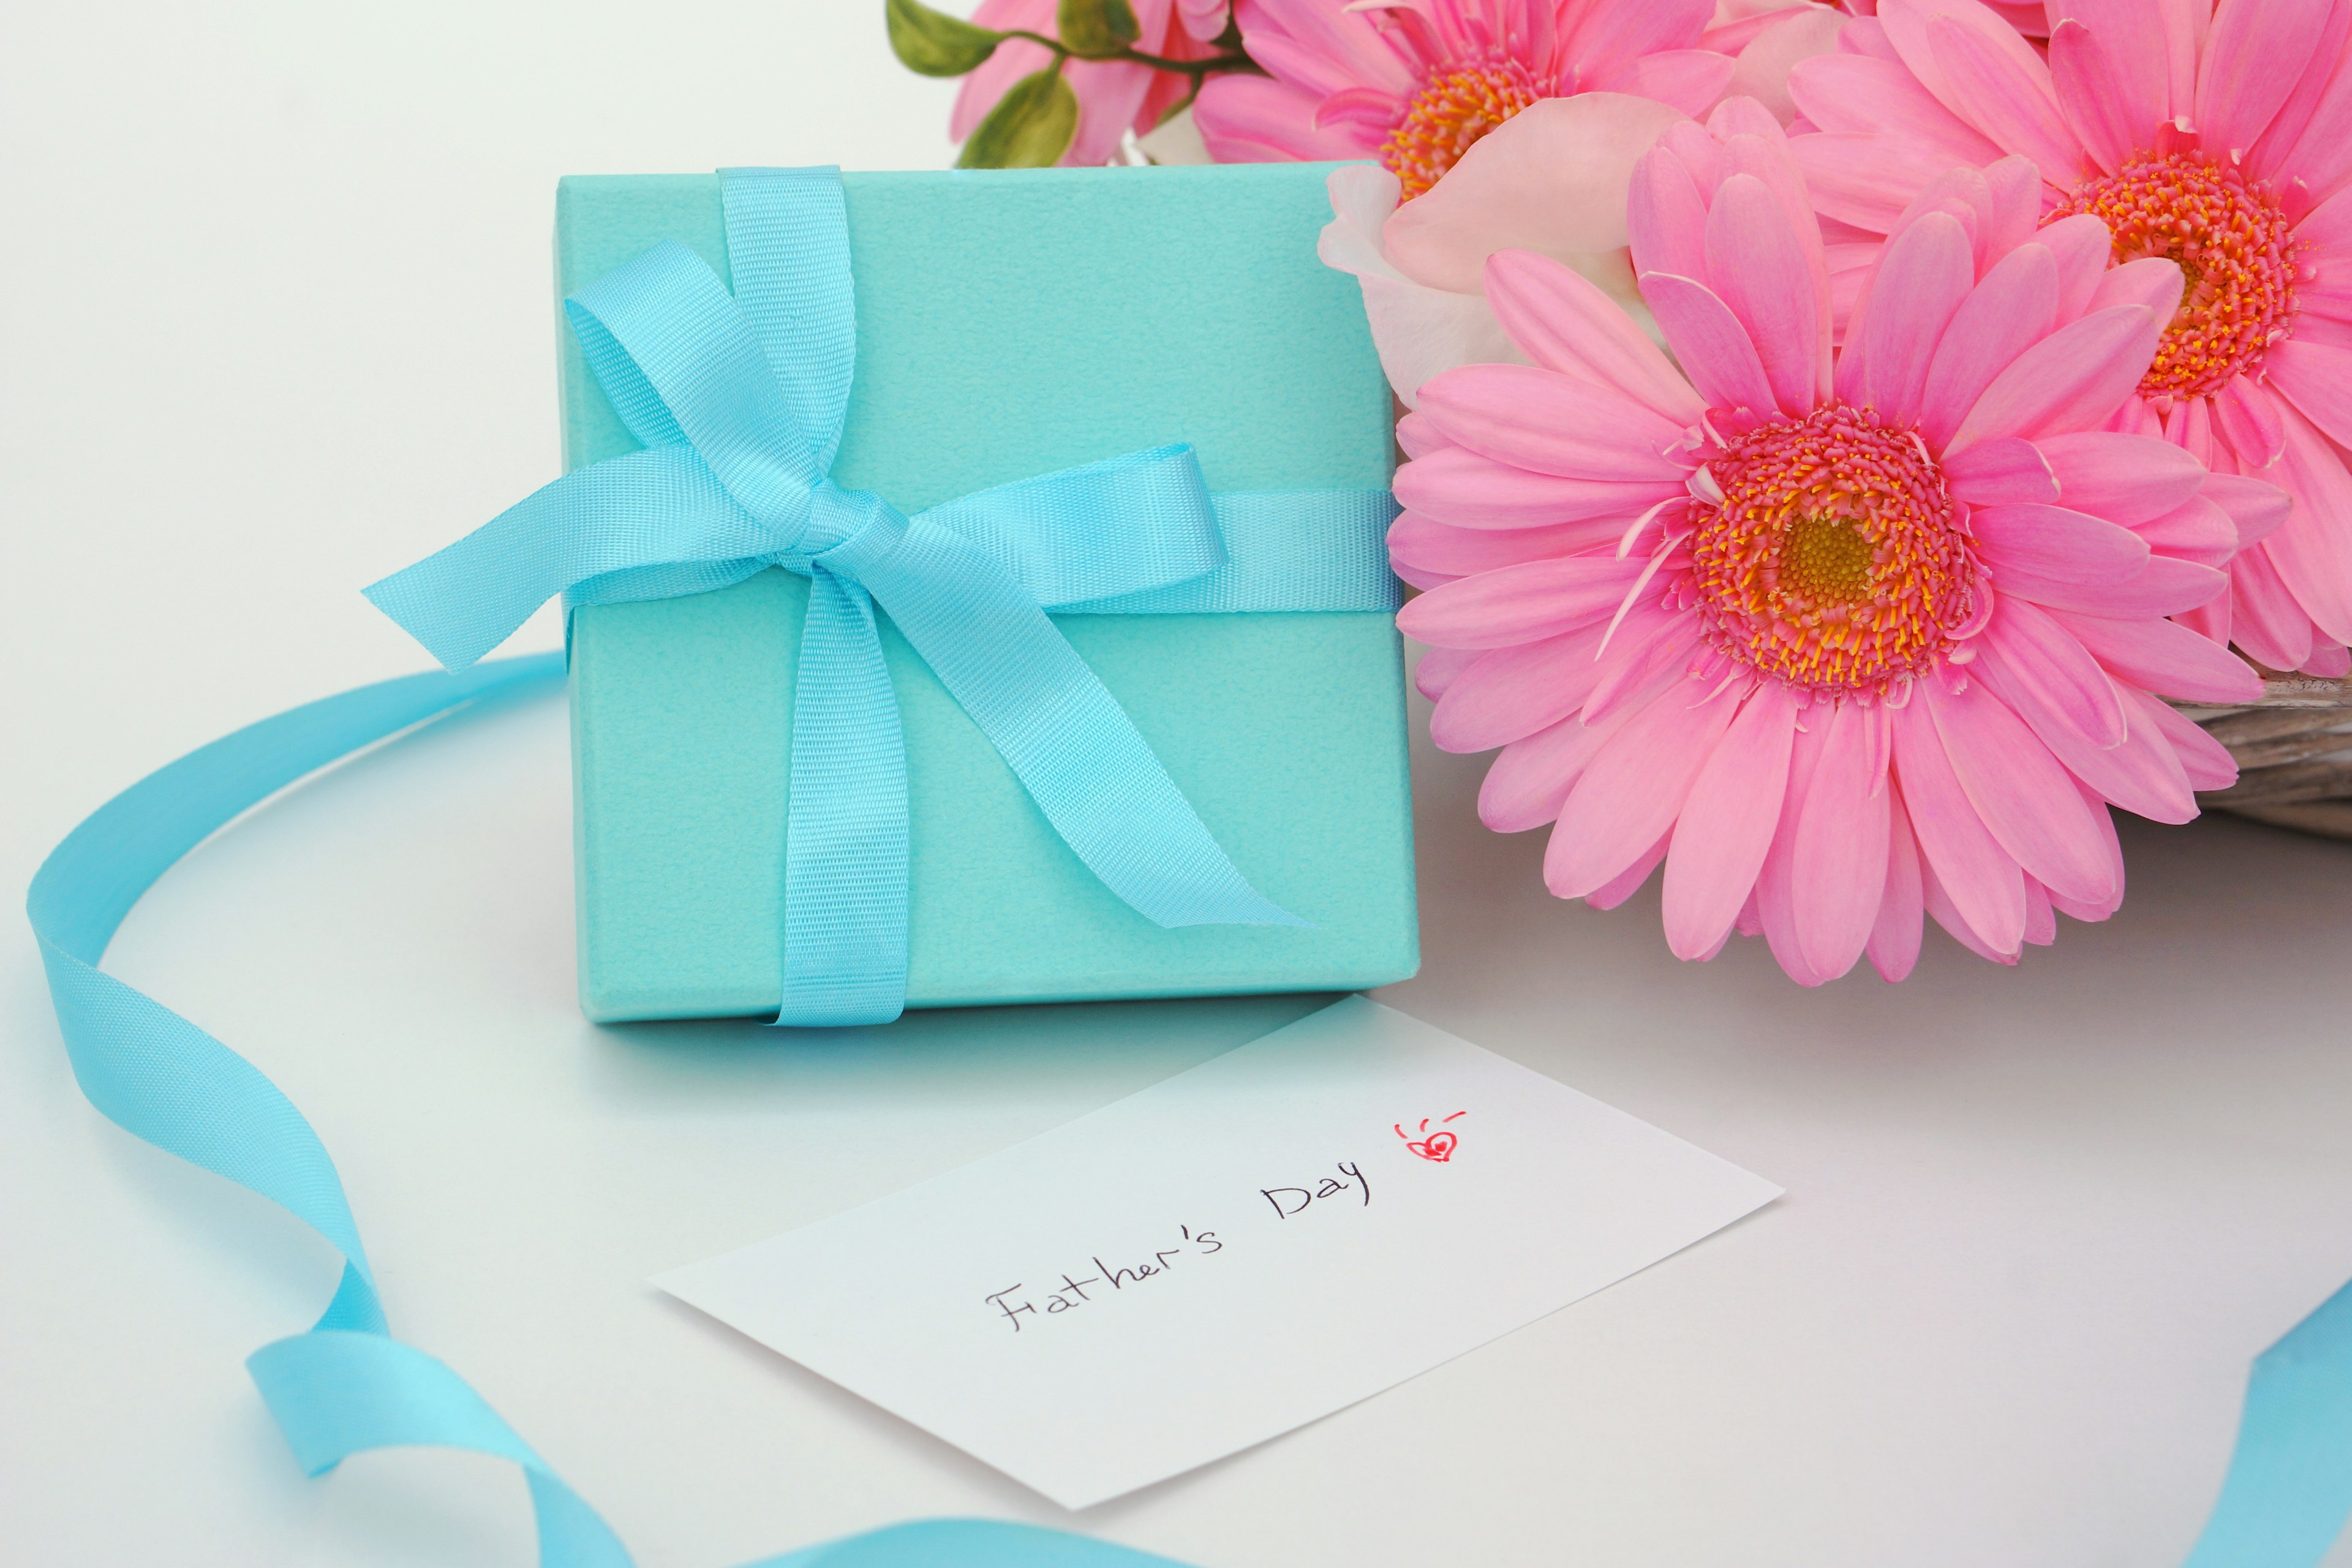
column 2294, row 751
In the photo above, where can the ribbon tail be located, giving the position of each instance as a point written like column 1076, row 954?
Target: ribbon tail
column 2289, row 1489
column 657, row 508
column 845, row 821
column 336, row 1394
column 1062, row 732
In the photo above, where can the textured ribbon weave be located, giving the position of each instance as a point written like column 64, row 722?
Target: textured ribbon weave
column 739, row 402
column 347, row 1386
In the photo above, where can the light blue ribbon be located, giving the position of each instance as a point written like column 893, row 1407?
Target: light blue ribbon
column 346, row 1386
column 739, row 402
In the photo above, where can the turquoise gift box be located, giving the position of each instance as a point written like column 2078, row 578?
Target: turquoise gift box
column 1012, row 322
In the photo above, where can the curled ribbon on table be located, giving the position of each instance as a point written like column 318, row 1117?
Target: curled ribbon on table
column 347, row 1386
column 739, row 400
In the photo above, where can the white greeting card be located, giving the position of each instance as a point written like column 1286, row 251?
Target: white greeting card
column 1239, row 1250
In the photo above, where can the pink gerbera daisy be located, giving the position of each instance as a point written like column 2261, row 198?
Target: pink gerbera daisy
column 2218, row 138
column 1415, row 83
column 1837, row 641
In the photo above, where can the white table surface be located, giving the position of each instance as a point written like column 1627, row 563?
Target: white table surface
column 276, row 322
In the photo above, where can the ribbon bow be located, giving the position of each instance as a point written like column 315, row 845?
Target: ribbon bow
column 739, row 401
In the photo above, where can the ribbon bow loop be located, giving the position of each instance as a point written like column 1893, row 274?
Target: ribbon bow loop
column 739, row 400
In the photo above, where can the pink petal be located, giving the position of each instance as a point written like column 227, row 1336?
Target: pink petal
column 1665, row 216
column 1454, row 485
column 1566, row 323
column 1414, row 576
column 2048, row 675
column 2009, row 95
column 2005, row 469
column 2264, row 618
column 1348, row 45
column 1859, row 96
column 1550, row 423
column 2013, row 308
column 1519, row 604
column 1726, row 824
column 2196, row 530
column 2322, row 156
column 1867, row 180
column 2054, row 541
column 1551, row 179
column 2206, row 760
column 2312, row 550
column 2151, row 282
column 2162, row 588
column 1649, row 648
column 2103, row 908
column 1439, row 668
column 2092, row 94
column 1766, row 62
column 1922, row 277
column 2318, row 378
column 2022, row 792
column 1760, row 268
column 2247, row 417
column 1631, row 792
column 1894, row 945
column 1246, row 118
column 1629, row 882
column 2166, row 658
column 1419, row 438
column 1775, row 908
column 1529, row 780
column 1689, row 80
column 2081, row 247
column 1712, row 344
column 1937, row 901
column 2239, row 82
column 1910, row 26
column 2138, row 772
column 2255, row 507
column 1428, row 545
column 2332, row 662
column 2126, row 479
column 2072, row 380
column 2041, row 920
column 2134, row 83
column 1512, row 692
column 1839, row 877
column 1601, row 37
column 1960, row 852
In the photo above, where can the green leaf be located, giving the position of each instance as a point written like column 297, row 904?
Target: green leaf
column 934, row 43
column 1029, row 127
column 1096, row 26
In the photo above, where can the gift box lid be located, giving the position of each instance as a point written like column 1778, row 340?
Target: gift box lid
column 1010, row 322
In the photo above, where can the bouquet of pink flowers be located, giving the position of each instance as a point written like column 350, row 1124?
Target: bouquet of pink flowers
column 1834, row 440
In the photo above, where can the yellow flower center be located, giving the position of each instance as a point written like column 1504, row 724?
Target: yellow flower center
column 1833, row 562
column 2236, row 251
column 1455, row 107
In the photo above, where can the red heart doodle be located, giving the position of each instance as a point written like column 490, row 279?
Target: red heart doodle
column 1438, row 1146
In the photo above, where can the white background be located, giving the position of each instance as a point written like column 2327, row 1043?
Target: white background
column 277, row 321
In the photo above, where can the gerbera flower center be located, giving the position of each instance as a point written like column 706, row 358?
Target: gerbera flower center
column 1457, row 105
column 1833, row 561
column 2236, row 251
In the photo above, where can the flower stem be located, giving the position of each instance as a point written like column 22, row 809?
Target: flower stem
column 1196, row 70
